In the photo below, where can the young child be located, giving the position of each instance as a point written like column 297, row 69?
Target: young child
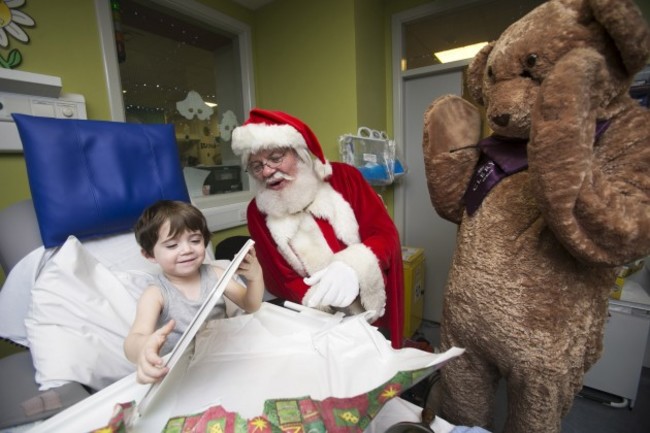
column 174, row 235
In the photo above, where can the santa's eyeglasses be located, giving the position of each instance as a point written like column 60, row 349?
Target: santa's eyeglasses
column 273, row 161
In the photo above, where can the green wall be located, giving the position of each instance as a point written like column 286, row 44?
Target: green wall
column 371, row 65
column 305, row 65
column 325, row 63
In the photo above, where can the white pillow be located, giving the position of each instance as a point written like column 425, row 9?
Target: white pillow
column 15, row 296
column 117, row 252
column 78, row 319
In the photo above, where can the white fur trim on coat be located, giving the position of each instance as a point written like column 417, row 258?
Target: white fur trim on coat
column 329, row 205
column 302, row 244
column 322, row 169
column 372, row 290
column 300, row 240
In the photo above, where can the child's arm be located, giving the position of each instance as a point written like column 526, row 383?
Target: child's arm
column 248, row 297
column 143, row 342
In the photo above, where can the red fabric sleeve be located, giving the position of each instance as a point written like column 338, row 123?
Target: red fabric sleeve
column 376, row 229
column 378, row 232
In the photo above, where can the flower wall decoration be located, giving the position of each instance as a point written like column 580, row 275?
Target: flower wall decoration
column 12, row 22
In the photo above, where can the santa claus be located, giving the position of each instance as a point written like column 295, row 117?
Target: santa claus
column 322, row 234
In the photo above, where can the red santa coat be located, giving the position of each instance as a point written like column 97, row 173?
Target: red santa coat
column 348, row 222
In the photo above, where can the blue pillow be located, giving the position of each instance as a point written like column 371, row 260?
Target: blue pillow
column 93, row 178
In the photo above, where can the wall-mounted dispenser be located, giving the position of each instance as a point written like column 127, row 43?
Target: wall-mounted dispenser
column 34, row 94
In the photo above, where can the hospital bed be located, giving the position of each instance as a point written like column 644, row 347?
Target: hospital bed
column 74, row 273
column 89, row 179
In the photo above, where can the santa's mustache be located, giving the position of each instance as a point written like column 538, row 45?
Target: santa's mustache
column 278, row 176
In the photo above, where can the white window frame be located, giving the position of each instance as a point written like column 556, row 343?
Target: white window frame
column 398, row 20
column 221, row 211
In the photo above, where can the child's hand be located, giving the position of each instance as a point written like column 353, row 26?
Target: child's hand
column 250, row 267
column 150, row 364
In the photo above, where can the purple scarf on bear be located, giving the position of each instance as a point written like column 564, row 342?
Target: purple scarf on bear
column 500, row 157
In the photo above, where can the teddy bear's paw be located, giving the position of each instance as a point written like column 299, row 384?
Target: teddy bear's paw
column 450, row 123
column 578, row 84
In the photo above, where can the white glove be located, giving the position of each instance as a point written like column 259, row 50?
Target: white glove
column 336, row 285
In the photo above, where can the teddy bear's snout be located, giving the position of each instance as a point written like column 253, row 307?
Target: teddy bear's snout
column 501, row 119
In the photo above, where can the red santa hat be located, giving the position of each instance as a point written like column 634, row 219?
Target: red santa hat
column 267, row 129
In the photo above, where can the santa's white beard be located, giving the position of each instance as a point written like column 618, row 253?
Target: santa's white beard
column 293, row 198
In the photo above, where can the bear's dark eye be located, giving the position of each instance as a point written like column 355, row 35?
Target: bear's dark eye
column 531, row 60
column 490, row 74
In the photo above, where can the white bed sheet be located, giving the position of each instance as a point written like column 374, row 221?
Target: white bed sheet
column 227, row 346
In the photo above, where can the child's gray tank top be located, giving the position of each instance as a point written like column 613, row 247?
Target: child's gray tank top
column 176, row 306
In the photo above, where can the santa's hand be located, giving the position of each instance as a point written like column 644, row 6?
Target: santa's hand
column 336, row 285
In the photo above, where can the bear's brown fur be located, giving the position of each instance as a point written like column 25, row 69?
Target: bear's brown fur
column 528, row 288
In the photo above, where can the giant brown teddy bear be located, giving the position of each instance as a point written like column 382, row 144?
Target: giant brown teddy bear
column 546, row 208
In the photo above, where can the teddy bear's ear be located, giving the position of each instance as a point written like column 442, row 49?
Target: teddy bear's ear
column 475, row 73
column 624, row 23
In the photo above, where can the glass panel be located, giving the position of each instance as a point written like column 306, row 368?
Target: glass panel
column 175, row 69
column 459, row 26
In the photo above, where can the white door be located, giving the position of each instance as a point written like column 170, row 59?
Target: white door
column 422, row 227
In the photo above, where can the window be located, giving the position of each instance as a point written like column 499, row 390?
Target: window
column 180, row 62
column 438, row 29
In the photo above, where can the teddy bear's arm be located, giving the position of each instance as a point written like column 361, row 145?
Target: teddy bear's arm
column 595, row 195
column 452, row 128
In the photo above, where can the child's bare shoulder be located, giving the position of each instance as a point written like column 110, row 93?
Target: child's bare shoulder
column 218, row 270
column 150, row 293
